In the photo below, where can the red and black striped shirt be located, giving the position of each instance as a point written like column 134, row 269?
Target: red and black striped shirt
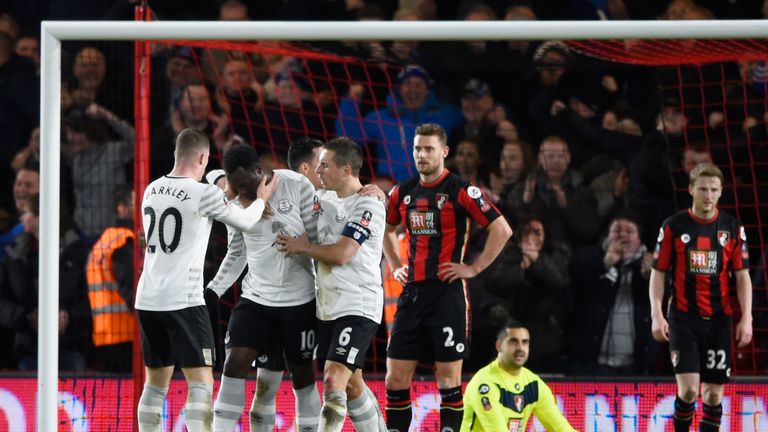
column 699, row 257
column 437, row 220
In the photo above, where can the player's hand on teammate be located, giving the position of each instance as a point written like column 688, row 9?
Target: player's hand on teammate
column 660, row 329
column 292, row 245
column 266, row 189
column 744, row 332
column 451, row 271
column 374, row 191
column 401, row 274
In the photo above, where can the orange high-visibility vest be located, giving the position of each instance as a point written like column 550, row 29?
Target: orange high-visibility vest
column 393, row 288
column 113, row 320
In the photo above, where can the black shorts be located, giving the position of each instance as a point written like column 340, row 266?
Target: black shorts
column 701, row 346
column 181, row 337
column 345, row 340
column 431, row 322
column 270, row 361
column 272, row 330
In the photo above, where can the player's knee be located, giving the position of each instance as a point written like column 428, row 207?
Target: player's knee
column 448, row 376
column 396, row 381
column 236, row 365
column 334, row 381
column 448, row 381
column 711, row 396
column 688, row 393
column 302, row 375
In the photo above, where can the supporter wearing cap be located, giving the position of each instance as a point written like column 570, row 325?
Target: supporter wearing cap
column 485, row 122
column 293, row 114
column 391, row 129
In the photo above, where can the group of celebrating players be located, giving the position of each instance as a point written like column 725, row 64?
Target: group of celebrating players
column 312, row 238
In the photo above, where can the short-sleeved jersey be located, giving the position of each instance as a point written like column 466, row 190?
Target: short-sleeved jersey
column 274, row 278
column 495, row 401
column 177, row 222
column 353, row 288
column 698, row 257
column 437, row 219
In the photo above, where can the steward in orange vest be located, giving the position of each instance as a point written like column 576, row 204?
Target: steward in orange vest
column 109, row 273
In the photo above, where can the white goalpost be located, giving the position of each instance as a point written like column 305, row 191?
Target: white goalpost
column 54, row 32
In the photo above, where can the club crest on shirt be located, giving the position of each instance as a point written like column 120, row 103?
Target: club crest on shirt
column 723, row 237
column 674, row 356
column 441, row 199
column 284, row 206
column 519, row 402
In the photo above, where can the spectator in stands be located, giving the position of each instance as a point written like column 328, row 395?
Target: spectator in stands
column 195, row 110
column 19, row 109
column 648, row 159
column 88, row 72
column 427, row 9
column 175, row 71
column 568, row 208
column 516, row 161
column 28, row 46
column 405, row 52
column 467, row 162
column 611, row 188
column 744, row 108
column 292, row 115
column 529, row 281
column 109, row 275
column 240, row 97
column 99, row 163
column 26, row 184
column 515, row 64
column 693, row 155
column 9, row 25
column 453, row 64
column 19, row 277
column 550, row 60
column 390, row 130
column 233, row 10
column 612, row 314
column 484, row 121
column 30, row 153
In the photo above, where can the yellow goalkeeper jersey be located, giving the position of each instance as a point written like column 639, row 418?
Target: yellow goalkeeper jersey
column 495, row 401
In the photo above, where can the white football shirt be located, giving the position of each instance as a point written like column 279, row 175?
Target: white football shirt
column 273, row 278
column 354, row 288
column 177, row 213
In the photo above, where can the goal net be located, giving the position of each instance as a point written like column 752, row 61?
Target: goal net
column 690, row 99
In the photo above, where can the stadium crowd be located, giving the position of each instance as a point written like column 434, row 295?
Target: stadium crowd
column 585, row 159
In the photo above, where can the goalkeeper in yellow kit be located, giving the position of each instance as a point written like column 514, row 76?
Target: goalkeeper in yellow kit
column 502, row 396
